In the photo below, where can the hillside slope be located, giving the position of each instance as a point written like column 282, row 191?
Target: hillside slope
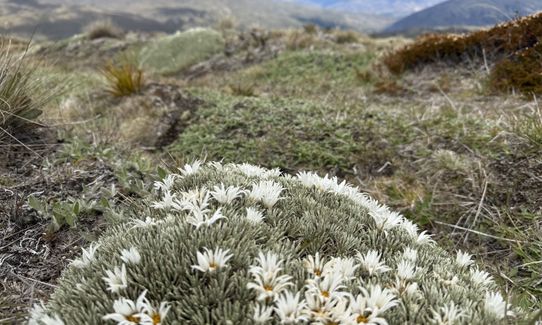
column 465, row 14
column 62, row 18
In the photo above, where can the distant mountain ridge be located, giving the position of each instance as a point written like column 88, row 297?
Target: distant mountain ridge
column 391, row 8
column 62, row 18
column 466, row 14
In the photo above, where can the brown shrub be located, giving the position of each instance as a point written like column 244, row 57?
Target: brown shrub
column 492, row 44
column 521, row 72
column 102, row 29
column 346, row 37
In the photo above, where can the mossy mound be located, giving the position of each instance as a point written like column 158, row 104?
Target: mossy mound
column 171, row 54
column 239, row 244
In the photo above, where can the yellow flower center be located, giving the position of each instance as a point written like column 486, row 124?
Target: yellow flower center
column 156, row 319
column 213, row 266
column 317, row 272
column 325, row 294
column 362, row 319
column 133, row 318
column 268, row 287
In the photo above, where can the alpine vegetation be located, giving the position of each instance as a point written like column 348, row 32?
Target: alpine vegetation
column 240, row 244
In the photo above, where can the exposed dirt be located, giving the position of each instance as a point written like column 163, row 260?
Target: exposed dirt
column 31, row 256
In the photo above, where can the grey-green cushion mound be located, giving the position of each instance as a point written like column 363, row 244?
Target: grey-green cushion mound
column 385, row 271
column 173, row 53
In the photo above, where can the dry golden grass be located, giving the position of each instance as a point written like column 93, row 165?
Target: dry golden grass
column 123, row 79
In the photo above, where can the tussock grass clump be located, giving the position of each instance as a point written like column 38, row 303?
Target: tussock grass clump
column 22, row 93
column 124, row 78
column 240, row 244
column 102, row 29
column 492, row 44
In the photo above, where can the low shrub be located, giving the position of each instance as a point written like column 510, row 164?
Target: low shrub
column 492, row 44
column 102, row 29
column 346, row 37
column 521, row 72
column 239, row 244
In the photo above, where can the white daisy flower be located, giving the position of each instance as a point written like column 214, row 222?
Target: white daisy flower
column 156, row 316
column 316, row 266
column 495, row 305
column 448, row 315
column 327, row 288
column 192, row 168
column 116, row 279
column 199, row 219
column 481, row 278
column 166, row 184
column 267, row 282
column 51, row 320
column 256, row 171
column 424, row 238
column 290, row 309
column 370, row 261
column 254, row 216
column 362, row 314
column 268, row 192
column 463, row 259
column 386, row 219
column 268, row 263
column 128, row 312
column 379, row 300
column 148, row 222
column 37, row 311
column 318, row 310
column 212, row 261
column 269, row 285
column 226, row 195
column 87, row 257
column 130, row 256
column 167, row 202
column 340, row 313
column 262, row 314
column 406, row 270
column 411, row 228
column 410, row 254
column 345, row 267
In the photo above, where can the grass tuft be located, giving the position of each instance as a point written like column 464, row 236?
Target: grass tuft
column 22, row 95
column 123, row 79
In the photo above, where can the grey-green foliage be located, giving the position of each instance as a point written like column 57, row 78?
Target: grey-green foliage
column 172, row 53
column 327, row 217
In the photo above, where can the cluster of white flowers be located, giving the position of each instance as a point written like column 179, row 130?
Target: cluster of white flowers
column 257, row 171
column 384, row 218
column 126, row 311
column 324, row 300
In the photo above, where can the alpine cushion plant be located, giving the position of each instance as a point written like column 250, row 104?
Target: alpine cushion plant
column 240, row 244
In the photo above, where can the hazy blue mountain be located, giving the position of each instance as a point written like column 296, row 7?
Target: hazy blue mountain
column 466, row 14
column 394, row 8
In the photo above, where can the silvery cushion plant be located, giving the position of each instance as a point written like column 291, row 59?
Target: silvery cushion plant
column 240, row 244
